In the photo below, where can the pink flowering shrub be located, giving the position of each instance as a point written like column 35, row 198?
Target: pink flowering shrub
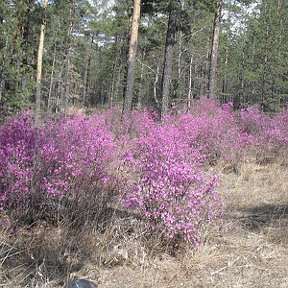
column 255, row 122
column 270, row 135
column 279, row 129
column 67, row 155
column 72, row 150
column 169, row 185
column 124, row 127
column 160, row 168
column 170, row 189
column 17, row 148
column 214, row 131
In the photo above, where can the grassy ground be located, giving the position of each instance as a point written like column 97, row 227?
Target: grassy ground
column 249, row 248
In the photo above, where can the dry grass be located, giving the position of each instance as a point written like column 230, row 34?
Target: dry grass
column 249, row 248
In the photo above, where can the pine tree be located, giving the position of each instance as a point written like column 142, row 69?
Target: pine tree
column 127, row 106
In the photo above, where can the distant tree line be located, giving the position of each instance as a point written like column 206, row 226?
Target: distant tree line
column 150, row 53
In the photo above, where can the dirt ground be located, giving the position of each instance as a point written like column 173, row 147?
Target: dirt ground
column 248, row 248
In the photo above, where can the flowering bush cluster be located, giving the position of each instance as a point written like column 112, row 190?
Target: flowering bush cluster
column 163, row 166
column 269, row 134
column 17, row 143
column 56, row 159
column 215, row 131
column 169, row 184
column 76, row 149
column 279, row 129
column 171, row 189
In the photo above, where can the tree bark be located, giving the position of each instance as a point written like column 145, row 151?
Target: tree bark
column 1, row 16
column 264, row 65
column 155, row 87
column 141, row 90
column 39, row 69
column 189, row 99
column 67, row 60
column 128, row 95
column 51, row 78
column 111, row 94
column 224, row 83
column 114, row 76
column 179, row 68
column 87, row 63
column 168, row 60
column 214, row 51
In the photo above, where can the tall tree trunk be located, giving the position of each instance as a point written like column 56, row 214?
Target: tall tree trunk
column 141, row 90
column 264, row 86
column 168, row 60
column 115, row 75
column 189, row 99
column 214, row 50
column 127, row 106
column 204, row 69
column 68, row 52
column 67, row 82
column 2, row 84
column 51, row 78
column 179, row 64
column 238, row 98
column 224, row 83
column 1, row 16
column 180, row 90
column 119, row 80
column 112, row 92
column 87, row 63
column 155, row 83
column 39, row 69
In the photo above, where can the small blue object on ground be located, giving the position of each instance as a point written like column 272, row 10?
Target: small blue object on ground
column 80, row 283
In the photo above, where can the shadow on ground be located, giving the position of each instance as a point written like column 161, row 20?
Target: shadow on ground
column 267, row 215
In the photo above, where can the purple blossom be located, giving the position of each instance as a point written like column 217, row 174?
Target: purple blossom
column 161, row 168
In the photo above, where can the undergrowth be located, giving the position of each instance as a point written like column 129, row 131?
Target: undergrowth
column 106, row 177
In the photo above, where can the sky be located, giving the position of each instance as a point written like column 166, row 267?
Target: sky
column 110, row 2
